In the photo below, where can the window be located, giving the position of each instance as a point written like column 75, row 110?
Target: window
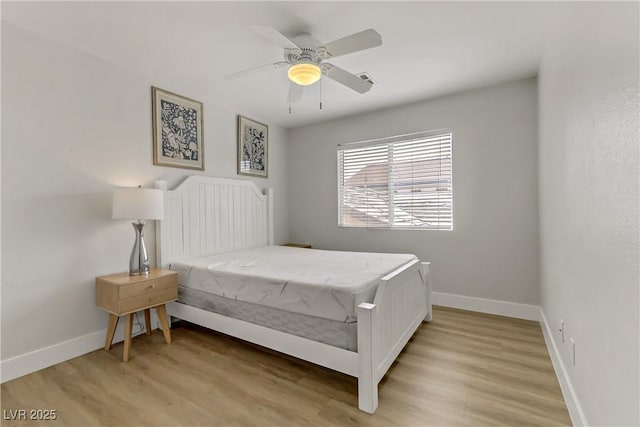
column 397, row 182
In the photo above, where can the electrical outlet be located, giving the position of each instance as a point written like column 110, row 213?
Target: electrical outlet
column 573, row 350
column 561, row 329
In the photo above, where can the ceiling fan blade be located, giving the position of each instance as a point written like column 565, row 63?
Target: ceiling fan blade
column 295, row 92
column 254, row 70
column 355, row 42
column 346, row 78
column 306, row 40
column 274, row 36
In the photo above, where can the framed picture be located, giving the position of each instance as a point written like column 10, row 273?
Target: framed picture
column 253, row 147
column 177, row 130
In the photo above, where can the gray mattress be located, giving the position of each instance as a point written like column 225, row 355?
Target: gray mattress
column 332, row 332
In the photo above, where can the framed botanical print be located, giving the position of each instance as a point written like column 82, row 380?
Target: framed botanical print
column 177, row 130
column 253, row 147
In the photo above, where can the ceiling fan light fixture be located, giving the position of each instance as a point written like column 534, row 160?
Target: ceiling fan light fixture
column 304, row 73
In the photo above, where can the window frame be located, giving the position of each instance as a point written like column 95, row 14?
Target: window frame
column 389, row 141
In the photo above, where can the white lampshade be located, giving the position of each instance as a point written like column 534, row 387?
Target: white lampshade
column 138, row 203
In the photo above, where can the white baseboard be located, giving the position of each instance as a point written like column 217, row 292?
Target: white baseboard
column 489, row 306
column 571, row 399
column 43, row 358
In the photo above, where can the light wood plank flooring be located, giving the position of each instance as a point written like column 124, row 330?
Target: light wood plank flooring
column 463, row 369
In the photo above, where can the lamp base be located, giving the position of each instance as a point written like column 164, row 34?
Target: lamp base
column 139, row 261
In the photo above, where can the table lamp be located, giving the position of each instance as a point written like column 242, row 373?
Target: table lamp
column 138, row 204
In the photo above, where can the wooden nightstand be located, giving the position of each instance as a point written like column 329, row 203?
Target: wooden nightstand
column 298, row 245
column 121, row 294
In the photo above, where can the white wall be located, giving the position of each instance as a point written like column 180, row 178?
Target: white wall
column 77, row 127
column 589, row 162
column 493, row 250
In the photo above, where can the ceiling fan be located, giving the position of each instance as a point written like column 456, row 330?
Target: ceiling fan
column 304, row 57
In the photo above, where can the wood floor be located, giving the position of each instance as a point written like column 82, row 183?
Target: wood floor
column 463, row 369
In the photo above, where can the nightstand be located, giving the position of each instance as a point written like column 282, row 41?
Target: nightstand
column 298, row 245
column 124, row 295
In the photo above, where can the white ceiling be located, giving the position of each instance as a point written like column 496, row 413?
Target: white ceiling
column 429, row 48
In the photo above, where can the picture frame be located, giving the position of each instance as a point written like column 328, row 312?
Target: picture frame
column 253, row 147
column 177, row 130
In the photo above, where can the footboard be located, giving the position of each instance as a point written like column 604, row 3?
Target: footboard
column 402, row 302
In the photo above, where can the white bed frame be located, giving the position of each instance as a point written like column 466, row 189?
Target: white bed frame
column 206, row 215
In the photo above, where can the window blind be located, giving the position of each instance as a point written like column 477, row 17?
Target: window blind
column 397, row 182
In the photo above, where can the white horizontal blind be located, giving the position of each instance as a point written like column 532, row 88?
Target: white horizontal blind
column 399, row 182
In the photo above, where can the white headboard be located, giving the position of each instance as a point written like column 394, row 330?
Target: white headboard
column 206, row 215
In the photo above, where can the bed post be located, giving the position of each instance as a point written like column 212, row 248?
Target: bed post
column 367, row 384
column 270, row 218
column 426, row 278
column 160, row 185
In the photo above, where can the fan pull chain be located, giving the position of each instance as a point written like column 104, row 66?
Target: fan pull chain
column 321, row 94
column 289, row 106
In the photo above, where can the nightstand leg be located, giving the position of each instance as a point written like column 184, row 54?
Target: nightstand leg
column 111, row 330
column 147, row 320
column 162, row 316
column 127, row 337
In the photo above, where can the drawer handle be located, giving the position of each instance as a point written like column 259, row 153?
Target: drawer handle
column 152, row 286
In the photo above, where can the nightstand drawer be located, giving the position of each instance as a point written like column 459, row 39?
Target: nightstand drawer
column 119, row 293
column 140, row 288
column 147, row 299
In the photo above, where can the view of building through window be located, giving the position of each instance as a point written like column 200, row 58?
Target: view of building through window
column 397, row 182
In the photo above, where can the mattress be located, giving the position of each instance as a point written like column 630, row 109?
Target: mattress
column 324, row 284
column 337, row 334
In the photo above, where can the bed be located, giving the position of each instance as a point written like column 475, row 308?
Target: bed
column 218, row 234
